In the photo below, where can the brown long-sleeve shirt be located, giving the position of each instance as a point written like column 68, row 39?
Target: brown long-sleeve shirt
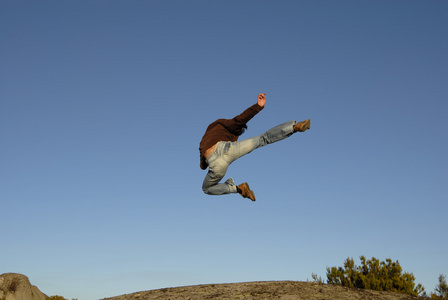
column 223, row 130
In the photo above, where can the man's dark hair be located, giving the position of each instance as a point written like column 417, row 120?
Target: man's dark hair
column 241, row 130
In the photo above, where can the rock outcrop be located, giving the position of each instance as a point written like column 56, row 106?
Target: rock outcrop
column 18, row 287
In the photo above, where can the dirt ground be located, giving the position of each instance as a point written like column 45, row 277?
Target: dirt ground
column 285, row 290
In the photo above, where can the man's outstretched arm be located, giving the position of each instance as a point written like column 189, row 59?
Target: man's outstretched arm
column 250, row 112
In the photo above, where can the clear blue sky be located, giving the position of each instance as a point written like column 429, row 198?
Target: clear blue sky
column 103, row 105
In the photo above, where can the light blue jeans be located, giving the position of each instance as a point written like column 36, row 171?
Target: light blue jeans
column 227, row 152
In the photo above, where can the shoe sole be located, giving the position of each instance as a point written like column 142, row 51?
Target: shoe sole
column 250, row 193
column 252, row 196
column 307, row 125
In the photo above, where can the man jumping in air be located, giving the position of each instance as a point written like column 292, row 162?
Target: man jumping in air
column 220, row 147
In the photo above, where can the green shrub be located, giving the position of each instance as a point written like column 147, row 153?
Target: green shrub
column 441, row 289
column 56, row 298
column 316, row 279
column 374, row 275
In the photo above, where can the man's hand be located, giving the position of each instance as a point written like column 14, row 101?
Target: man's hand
column 262, row 99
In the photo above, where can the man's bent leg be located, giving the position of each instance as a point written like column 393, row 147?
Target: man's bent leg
column 227, row 187
column 216, row 171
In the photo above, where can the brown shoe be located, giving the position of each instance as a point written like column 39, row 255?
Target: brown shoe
column 302, row 126
column 246, row 191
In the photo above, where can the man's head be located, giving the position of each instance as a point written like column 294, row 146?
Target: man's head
column 241, row 130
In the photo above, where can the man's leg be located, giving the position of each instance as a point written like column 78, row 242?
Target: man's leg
column 278, row 133
column 243, row 147
column 216, row 171
column 211, row 185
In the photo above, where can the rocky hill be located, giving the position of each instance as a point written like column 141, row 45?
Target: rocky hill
column 18, row 287
column 284, row 290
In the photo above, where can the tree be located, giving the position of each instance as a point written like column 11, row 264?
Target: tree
column 374, row 275
column 441, row 289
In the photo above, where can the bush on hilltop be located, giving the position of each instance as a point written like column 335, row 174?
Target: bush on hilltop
column 441, row 289
column 374, row 275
